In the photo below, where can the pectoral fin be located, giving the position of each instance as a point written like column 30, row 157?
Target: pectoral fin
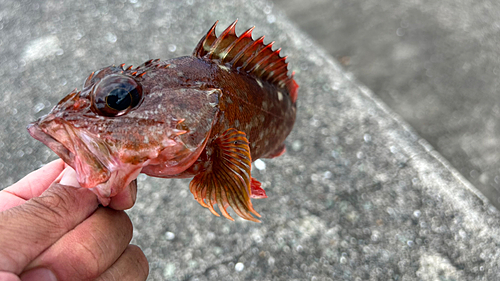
column 227, row 182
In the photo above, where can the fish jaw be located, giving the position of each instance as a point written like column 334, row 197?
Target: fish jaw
column 56, row 133
column 96, row 166
column 58, row 136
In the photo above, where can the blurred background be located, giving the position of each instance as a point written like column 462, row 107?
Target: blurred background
column 435, row 63
column 350, row 207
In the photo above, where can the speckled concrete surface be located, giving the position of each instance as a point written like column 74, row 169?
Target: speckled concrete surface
column 358, row 195
column 435, row 63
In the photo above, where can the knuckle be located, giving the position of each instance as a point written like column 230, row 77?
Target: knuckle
column 131, row 265
column 10, row 260
column 129, row 228
column 54, row 206
column 11, row 232
column 120, row 223
column 92, row 256
column 83, row 262
column 140, row 260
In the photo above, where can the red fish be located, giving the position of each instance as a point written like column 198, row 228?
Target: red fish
column 208, row 115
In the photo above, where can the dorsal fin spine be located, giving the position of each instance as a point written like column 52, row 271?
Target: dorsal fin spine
column 256, row 45
column 202, row 48
column 216, row 45
column 240, row 54
column 278, row 72
column 228, row 49
column 279, row 79
column 257, row 55
column 269, row 68
column 231, row 46
column 268, row 60
column 245, row 54
column 272, row 67
column 293, row 86
column 246, row 35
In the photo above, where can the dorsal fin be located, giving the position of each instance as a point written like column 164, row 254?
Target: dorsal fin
column 244, row 53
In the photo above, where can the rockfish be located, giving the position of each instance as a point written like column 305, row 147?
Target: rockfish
column 207, row 116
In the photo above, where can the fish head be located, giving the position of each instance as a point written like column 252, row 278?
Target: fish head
column 121, row 122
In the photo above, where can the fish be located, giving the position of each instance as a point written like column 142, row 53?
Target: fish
column 207, row 116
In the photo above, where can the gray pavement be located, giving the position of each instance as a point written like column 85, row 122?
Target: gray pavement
column 435, row 63
column 358, row 196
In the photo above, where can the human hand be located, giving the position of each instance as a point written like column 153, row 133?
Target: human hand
column 50, row 229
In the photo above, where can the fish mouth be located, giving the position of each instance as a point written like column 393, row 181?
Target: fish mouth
column 37, row 133
column 60, row 137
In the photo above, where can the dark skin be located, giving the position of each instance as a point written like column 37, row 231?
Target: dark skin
column 52, row 228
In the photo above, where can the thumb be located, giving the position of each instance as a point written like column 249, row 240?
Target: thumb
column 68, row 177
column 30, row 228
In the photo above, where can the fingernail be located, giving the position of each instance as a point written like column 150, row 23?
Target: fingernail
column 133, row 191
column 40, row 273
column 69, row 177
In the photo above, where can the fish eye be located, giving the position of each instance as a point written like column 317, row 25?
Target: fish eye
column 115, row 95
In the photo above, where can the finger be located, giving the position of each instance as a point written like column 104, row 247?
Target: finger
column 31, row 185
column 7, row 276
column 88, row 250
column 131, row 266
column 125, row 199
column 29, row 229
column 68, row 177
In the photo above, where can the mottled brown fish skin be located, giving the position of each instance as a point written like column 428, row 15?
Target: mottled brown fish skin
column 260, row 109
column 264, row 112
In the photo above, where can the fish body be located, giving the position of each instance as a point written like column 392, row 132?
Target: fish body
column 206, row 116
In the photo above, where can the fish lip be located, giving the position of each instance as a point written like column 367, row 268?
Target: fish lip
column 62, row 151
column 43, row 130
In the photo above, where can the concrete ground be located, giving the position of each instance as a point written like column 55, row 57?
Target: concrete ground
column 359, row 195
column 435, row 63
